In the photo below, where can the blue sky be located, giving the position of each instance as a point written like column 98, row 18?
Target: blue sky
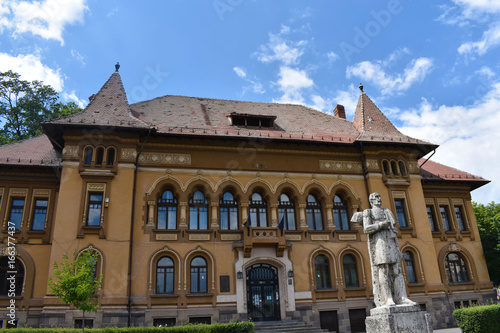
column 431, row 66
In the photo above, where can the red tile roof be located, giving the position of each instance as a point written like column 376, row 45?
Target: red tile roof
column 374, row 126
column 108, row 108
column 37, row 151
column 433, row 171
column 204, row 116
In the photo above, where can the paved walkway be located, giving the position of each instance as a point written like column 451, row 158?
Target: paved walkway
column 449, row 330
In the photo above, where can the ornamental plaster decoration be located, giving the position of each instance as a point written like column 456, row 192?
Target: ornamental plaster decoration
column 340, row 165
column 413, row 167
column 454, row 247
column 70, row 151
column 129, row 153
column 372, row 164
column 165, row 158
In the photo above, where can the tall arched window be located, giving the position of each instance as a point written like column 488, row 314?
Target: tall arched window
column 340, row 214
column 402, row 168
column 387, row 168
column 99, row 156
column 258, row 210
column 350, row 271
column 5, row 272
column 394, row 168
column 167, row 211
column 322, row 270
column 228, row 212
column 410, row 267
column 165, row 276
column 313, row 213
column 199, row 275
column 198, row 211
column 88, row 155
column 110, row 158
column 286, row 211
column 456, row 269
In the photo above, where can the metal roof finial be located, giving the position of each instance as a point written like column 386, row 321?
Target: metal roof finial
column 361, row 87
column 117, row 66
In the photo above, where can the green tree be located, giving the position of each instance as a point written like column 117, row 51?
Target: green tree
column 75, row 282
column 23, row 105
column 488, row 223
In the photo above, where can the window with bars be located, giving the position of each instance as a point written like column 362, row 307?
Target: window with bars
column 322, row 271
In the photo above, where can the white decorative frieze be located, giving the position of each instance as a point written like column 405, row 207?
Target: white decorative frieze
column 164, row 158
column 340, row 165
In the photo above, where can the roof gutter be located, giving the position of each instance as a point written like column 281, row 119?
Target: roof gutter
column 131, row 244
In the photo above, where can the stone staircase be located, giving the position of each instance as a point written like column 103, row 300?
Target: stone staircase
column 286, row 326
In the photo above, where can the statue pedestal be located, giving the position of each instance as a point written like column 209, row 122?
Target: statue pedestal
column 398, row 319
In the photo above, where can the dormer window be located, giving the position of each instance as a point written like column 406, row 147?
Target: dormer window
column 251, row 120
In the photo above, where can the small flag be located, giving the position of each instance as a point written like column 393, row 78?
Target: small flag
column 281, row 225
column 248, row 222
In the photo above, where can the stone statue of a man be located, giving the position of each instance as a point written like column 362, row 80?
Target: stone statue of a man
column 388, row 282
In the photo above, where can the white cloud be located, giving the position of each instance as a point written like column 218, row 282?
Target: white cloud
column 332, row 56
column 46, row 19
column 279, row 49
column 468, row 137
column 471, row 7
column 375, row 73
column 30, row 67
column 491, row 38
column 72, row 97
column 292, row 82
column 240, row 72
column 81, row 59
column 348, row 98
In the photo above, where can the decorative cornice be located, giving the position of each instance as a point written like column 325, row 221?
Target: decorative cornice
column 340, row 165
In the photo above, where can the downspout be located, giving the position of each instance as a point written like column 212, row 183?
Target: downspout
column 363, row 165
column 131, row 245
column 433, row 152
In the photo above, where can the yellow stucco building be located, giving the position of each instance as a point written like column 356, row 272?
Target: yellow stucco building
column 205, row 210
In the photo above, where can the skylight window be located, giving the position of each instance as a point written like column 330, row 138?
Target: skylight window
column 251, row 120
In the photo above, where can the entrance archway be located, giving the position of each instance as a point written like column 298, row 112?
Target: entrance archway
column 263, row 296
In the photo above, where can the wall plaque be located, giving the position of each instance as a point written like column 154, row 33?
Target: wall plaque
column 320, row 237
column 166, row 236
column 199, row 237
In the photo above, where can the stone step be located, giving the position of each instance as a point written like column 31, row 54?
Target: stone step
column 287, row 326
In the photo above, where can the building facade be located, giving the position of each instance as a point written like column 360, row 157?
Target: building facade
column 205, row 210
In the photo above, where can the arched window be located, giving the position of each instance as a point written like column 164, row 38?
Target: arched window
column 165, row 276
column 6, row 272
column 456, row 269
column 340, row 214
column 167, row 211
column 322, row 269
column 198, row 211
column 228, row 212
column 286, row 211
column 350, row 271
column 313, row 213
column 394, row 168
column 410, row 267
column 88, row 155
column 199, row 275
column 110, row 158
column 387, row 168
column 258, row 210
column 402, row 168
column 99, row 156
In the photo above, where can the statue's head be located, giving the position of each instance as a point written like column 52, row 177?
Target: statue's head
column 375, row 199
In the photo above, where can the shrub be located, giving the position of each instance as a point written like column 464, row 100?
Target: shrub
column 479, row 319
column 241, row 327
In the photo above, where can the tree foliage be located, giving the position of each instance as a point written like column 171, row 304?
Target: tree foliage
column 23, row 105
column 75, row 282
column 488, row 223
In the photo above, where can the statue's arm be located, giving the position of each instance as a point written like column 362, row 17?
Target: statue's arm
column 368, row 226
column 391, row 218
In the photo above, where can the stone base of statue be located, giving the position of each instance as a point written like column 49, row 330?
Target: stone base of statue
column 398, row 319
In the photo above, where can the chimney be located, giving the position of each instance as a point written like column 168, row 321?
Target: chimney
column 339, row 111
